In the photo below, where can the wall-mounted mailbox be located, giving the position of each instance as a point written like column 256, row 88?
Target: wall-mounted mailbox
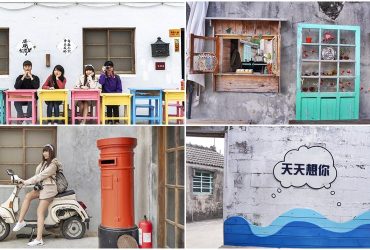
column 160, row 48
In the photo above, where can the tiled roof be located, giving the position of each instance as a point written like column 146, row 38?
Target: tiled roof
column 204, row 156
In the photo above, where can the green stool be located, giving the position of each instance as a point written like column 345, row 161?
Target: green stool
column 2, row 106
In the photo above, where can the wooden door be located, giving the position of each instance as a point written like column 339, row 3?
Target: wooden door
column 171, row 187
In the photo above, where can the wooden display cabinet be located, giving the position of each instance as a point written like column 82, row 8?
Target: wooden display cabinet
column 258, row 43
column 328, row 72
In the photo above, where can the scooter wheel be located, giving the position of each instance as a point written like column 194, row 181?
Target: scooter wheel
column 73, row 228
column 4, row 229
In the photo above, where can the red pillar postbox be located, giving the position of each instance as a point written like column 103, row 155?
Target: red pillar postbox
column 116, row 163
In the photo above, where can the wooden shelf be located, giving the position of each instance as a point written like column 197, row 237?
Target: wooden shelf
column 241, row 74
column 328, row 61
column 327, row 44
column 311, row 44
column 347, row 45
column 328, row 77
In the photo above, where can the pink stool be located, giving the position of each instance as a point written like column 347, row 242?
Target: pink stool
column 179, row 111
column 20, row 95
column 85, row 95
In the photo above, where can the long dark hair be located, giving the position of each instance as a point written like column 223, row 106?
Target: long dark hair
column 49, row 148
column 61, row 69
column 89, row 67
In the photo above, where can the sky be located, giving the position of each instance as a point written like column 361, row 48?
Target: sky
column 205, row 141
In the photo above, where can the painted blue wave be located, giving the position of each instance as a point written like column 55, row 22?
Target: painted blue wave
column 310, row 216
column 299, row 228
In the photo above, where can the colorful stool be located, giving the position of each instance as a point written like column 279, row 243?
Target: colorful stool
column 85, row 95
column 118, row 99
column 54, row 95
column 153, row 98
column 2, row 106
column 174, row 98
column 20, row 95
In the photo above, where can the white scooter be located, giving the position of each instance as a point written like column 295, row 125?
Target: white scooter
column 64, row 212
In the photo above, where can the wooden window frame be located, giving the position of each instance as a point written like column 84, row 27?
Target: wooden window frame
column 24, row 147
column 193, row 53
column 7, row 46
column 241, row 27
column 109, row 57
column 162, row 175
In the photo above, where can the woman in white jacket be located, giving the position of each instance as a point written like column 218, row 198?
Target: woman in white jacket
column 86, row 81
column 45, row 189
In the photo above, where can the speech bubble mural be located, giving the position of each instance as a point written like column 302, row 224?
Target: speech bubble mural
column 311, row 166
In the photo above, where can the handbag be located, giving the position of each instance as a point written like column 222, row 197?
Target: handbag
column 60, row 181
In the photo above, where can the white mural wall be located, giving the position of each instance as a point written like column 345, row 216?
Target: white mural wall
column 46, row 25
column 280, row 175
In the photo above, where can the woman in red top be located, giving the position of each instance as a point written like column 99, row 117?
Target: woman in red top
column 55, row 81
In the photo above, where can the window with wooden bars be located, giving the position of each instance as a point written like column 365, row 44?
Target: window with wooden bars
column 114, row 44
column 171, row 188
column 21, row 150
column 202, row 182
column 4, row 51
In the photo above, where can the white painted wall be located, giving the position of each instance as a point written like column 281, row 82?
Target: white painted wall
column 252, row 152
column 46, row 26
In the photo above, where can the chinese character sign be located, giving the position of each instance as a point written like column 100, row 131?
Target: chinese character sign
column 66, row 46
column 25, row 47
column 311, row 166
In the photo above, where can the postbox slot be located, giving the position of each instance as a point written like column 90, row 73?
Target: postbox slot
column 108, row 162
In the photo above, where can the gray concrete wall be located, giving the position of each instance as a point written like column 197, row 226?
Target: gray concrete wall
column 204, row 206
column 79, row 154
column 251, row 191
column 280, row 108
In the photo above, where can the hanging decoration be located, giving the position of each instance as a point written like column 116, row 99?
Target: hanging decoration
column 25, row 47
column 66, row 46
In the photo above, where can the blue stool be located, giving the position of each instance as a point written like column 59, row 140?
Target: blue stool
column 153, row 105
column 2, row 106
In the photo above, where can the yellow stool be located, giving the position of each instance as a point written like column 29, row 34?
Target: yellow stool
column 116, row 99
column 172, row 95
column 54, row 96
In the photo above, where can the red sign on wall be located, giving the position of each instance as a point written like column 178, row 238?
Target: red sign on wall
column 160, row 66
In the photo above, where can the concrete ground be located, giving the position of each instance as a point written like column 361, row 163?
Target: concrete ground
column 52, row 241
column 204, row 234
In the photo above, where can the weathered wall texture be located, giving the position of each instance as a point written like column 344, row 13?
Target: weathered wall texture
column 252, row 192
column 79, row 154
column 204, row 206
column 280, row 108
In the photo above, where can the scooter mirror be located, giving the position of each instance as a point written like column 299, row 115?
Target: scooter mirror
column 10, row 172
